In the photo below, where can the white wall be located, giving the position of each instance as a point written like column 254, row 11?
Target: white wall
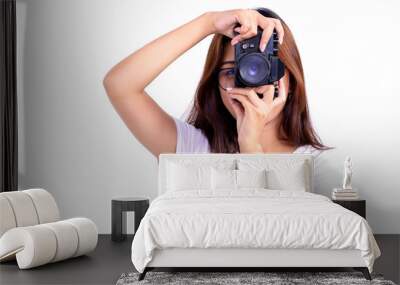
column 74, row 144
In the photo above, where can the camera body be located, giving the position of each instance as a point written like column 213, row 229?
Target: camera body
column 255, row 68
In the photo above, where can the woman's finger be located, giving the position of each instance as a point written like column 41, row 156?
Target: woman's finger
column 270, row 24
column 280, row 30
column 244, row 101
column 268, row 97
column 236, row 39
column 251, row 32
column 266, row 35
column 244, row 21
column 238, row 110
column 281, row 99
column 245, row 25
column 250, row 93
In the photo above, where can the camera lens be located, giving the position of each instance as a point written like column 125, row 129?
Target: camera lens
column 253, row 69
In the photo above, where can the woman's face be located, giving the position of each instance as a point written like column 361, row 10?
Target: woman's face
column 227, row 100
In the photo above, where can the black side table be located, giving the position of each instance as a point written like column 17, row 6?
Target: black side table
column 119, row 207
column 357, row 206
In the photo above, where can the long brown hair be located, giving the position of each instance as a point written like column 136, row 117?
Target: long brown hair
column 210, row 115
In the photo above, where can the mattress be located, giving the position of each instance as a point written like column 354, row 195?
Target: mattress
column 254, row 218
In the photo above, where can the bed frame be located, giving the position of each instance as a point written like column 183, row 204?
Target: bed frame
column 248, row 259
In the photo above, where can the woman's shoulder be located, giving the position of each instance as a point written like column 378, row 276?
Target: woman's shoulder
column 189, row 138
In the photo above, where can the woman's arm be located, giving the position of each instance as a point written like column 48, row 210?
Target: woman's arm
column 126, row 81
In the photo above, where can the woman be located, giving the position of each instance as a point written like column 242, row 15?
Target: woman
column 222, row 120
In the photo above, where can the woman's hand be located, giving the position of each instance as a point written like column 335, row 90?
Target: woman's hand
column 224, row 22
column 253, row 113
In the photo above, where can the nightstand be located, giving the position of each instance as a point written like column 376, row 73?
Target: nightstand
column 357, row 206
column 119, row 207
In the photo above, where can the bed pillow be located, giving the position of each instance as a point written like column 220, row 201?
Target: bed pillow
column 189, row 173
column 294, row 180
column 281, row 174
column 188, row 177
column 251, row 178
column 222, row 179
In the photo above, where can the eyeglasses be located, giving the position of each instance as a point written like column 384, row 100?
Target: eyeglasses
column 226, row 77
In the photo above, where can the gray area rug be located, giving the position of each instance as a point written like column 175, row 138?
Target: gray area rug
column 229, row 278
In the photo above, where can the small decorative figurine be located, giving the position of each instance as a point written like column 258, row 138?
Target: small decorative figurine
column 348, row 172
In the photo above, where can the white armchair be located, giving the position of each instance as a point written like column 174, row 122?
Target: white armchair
column 32, row 232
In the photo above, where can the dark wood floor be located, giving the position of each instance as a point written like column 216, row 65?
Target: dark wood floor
column 111, row 259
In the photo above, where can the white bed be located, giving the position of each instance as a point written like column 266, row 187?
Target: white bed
column 213, row 210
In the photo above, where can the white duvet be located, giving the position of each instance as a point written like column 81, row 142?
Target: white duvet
column 250, row 218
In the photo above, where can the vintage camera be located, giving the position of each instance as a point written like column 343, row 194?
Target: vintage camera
column 255, row 68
